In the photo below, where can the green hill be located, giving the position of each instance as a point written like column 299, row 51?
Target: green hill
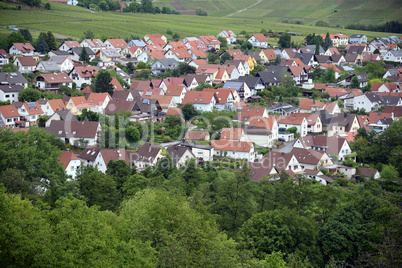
column 71, row 21
column 334, row 12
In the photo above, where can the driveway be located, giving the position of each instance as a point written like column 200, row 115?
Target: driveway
column 285, row 148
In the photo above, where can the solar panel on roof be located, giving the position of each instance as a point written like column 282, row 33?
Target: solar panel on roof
column 145, row 101
column 31, row 104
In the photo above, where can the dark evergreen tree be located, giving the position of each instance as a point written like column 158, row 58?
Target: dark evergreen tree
column 41, row 46
column 285, row 40
column 327, row 42
column 102, row 83
column 50, row 40
column 26, row 34
column 84, row 57
column 317, row 49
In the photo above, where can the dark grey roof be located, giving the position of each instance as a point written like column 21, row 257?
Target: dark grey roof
column 12, row 78
column 257, row 131
column 90, row 153
column 147, row 152
column 177, row 152
column 390, row 100
column 279, row 105
column 66, row 114
column 60, row 53
column 386, row 121
column 234, row 85
column 312, row 49
column 356, row 36
column 251, row 81
column 233, row 62
column 271, row 76
column 335, row 58
column 77, row 50
column 356, row 50
column 198, row 146
column 324, row 116
column 168, row 63
column 343, row 119
column 304, row 57
column 11, row 88
column 73, row 129
column 146, row 105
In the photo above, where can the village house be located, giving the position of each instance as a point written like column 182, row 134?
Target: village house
column 297, row 120
column 9, row 116
column 66, row 45
column 83, row 74
column 248, row 114
column 52, row 81
column 10, row 92
column 341, row 123
column 234, row 149
column 179, row 54
column 147, row 155
column 261, row 136
column 358, row 38
column 318, row 176
column 269, row 123
column 282, row 161
column 13, row 78
column 62, row 63
column 100, row 100
column 233, row 134
column 258, row 40
column 71, row 164
column 77, row 133
column 116, row 44
column 210, row 41
column 108, row 55
column 224, row 98
column 94, row 44
column 75, row 53
column 332, row 145
column 65, row 115
column 26, row 64
column 29, row 111
column 24, row 49
column 49, row 107
column 180, row 155
column 160, row 66
column 147, row 37
column 228, row 35
column 100, row 157
column 337, row 39
column 311, row 159
column 4, row 58
column 196, row 135
column 131, row 52
column 177, row 92
column 393, row 55
column 242, row 89
column 201, row 152
column 202, row 100
column 149, row 56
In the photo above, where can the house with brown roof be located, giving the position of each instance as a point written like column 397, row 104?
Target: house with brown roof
column 234, row 149
column 116, row 44
column 197, row 53
column 4, row 58
column 94, row 44
column 66, row 45
column 149, row 36
column 210, row 41
column 202, row 100
column 52, row 81
column 9, row 116
column 49, row 107
column 176, row 111
column 311, row 159
column 262, row 170
column 147, row 155
column 258, row 40
column 233, row 134
column 311, row 105
column 71, row 164
column 83, row 74
column 250, row 113
column 282, row 161
column 367, row 173
column 195, row 135
column 164, row 101
column 386, row 87
column 341, row 123
column 77, row 133
column 26, row 64
column 25, row 49
column 332, row 51
column 180, row 155
column 318, row 176
column 334, row 145
column 115, row 106
column 177, row 92
column 395, row 111
column 297, row 120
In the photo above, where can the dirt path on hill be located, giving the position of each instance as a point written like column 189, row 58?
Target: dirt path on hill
column 237, row 12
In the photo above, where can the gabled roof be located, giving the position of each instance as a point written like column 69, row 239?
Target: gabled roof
column 367, row 172
column 3, row 54
column 278, row 160
column 260, row 37
column 147, row 152
column 140, row 85
column 94, row 43
column 396, row 110
column 177, row 152
column 307, row 156
column 196, row 135
column 66, row 157
column 294, row 118
column 51, row 78
column 78, row 50
column 97, row 98
column 11, row 88
column 232, row 134
column 115, row 106
column 90, row 153
column 86, row 70
column 114, row 154
column 332, row 144
column 27, row 61
column 73, row 129
column 174, row 111
column 209, row 39
column 306, row 104
column 118, row 43
column 116, row 84
column 24, row 47
column 9, row 111
column 164, row 101
column 57, row 104
column 248, row 113
column 267, row 123
column 174, row 90
column 180, row 53
column 198, row 97
column 374, row 117
column 109, row 53
column 71, row 44
column 221, row 94
column 66, row 115
column 237, row 146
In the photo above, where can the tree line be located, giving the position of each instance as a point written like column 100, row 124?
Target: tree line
column 390, row 27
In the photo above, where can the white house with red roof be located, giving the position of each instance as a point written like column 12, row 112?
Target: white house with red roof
column 258, row 40
column 31, row 111
column 25, row 64
column 83, row 74
column 25, row 49
column 116, row 44
column 234, row 149
column 131, row 51
column 49, row 107
column 71, row 164
column 94, row 44
column 224, row 98
column 179, row 54
column 249, row 113
column 202, row 100
column 9, row 115
column 228, row 35
column 210, row 41
column 337, row 39
column 177, row 92
column 4, row 58
column 108, row 55
column 297, row 120
column 66, row 45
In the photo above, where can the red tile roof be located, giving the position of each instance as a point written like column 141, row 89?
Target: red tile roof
column 196, row 135
column 66, row 157
column 9, row 111
column 24, row 47
column 51, row 78
column 27, row 61
column 237, row 146
column 200, row 97
column 260, row 37
column 118, row 43
column 231, row 134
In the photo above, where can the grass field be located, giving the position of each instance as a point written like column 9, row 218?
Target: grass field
column 70, row 21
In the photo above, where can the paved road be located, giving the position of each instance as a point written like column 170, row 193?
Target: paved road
column 286, row 149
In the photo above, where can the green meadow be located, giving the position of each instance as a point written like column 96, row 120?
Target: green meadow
column 70, row 21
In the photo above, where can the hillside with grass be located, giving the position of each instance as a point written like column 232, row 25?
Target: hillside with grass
column 71, row 21
column 335, row 12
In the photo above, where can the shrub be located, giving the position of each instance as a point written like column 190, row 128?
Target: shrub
column 285, row 20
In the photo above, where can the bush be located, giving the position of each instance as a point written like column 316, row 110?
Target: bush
column 297, row 21
column 322, row 23
column 285, row 20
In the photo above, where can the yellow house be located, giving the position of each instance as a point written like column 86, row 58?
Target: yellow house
column 343, row 122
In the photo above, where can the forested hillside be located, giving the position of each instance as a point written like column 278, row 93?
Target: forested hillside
column 201, row 216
